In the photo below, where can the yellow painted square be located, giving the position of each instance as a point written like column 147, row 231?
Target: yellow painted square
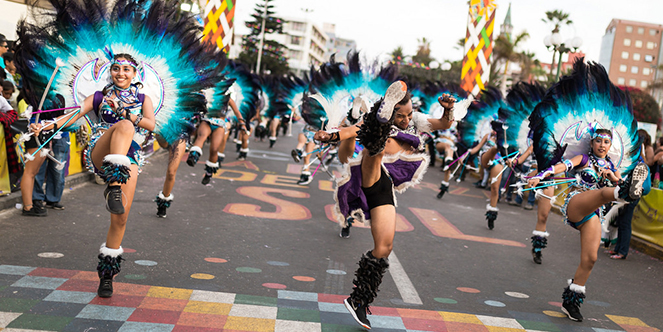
column 503, row 329
column 460, row 318
column 170, row 293
column 213, row 308
column 623, row 320
column 250, row 324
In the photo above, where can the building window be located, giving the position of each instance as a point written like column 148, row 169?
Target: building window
column 638, row 43
column 295, row 40
column 623, row 68
column 653, row 32
column 624, row 55
column 297, row 26
column 636, row 56
column 646, row 71
column 643, row 84
column 631, row 82
column 634, row 70
column 620, row 81
column 649, row 58
column 641, row 31
column 651, row 45
column 627, row 42
column 629, row 29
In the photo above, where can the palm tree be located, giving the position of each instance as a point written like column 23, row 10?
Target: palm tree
column 530, row 67
column 557, row 18
column 423, row 52
column 397, row 54
column 506, row 50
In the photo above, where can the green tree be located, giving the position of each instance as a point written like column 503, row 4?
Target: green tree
column 273, row 53
column 423, row 52
column 557, row 18
column 397, row 54
column 645, row 108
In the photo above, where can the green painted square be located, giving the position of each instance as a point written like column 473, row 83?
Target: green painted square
column 3, row 288
column 340, row 328
column 40, row 322
column 298, row 315
column 256, row 300
column 539, row 326
column 8, row 304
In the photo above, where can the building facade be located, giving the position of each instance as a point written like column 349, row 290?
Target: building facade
column 337, row 45
column 305, row 42
column 631, row 52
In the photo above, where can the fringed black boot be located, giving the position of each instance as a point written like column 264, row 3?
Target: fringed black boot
column 109, row 266
column 368, row 278
column 374, row 132
column 573, row 297
column 539, row 241
column 243, row 153
column 194, row 155
column 115, row 169
column 491, row 216
column 163, row 203
column 210, row 169
column 444, row 187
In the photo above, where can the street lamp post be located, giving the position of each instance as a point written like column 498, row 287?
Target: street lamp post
column 262, row 37
column 554, row 42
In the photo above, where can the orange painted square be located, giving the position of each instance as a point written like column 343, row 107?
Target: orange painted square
column 384, row 311
column 464, row 327
column 202, row 320
column 130, row 289
column 79, row 285
column 154, row 316
column 424, row 324
column 119, row 300
column 331, row 298
column 158, row 303
column 52, row 273
column 420, row 314
column 182, row 328
column 86, row 275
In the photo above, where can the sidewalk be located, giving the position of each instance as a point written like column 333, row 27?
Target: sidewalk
column 65, row 300
column 10, row 201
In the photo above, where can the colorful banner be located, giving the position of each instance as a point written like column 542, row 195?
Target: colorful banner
column 647, row 221
column 219, row 18
column 478, row 45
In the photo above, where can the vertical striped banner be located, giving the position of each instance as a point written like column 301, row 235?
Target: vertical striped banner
column 478, row 45
column 219, row 17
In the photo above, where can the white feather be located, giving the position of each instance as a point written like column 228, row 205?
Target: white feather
column 44, row 152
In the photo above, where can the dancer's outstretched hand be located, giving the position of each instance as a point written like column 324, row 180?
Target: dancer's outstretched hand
column 533, row 182
column 447, row 101
column 322, row 136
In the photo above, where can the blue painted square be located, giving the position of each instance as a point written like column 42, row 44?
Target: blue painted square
column 574, row 328
column 24, row 293
column 145, row 327
column 605, row 330
column 81, row 324
column 71, row 297
column 39, row 282
column 301, row 296
column 8, row 279
column 332, row 307
column 295, row 304
column 337, row 318
column 17, row 270
column 387, row 322
column 104, row 312
column 57, row 309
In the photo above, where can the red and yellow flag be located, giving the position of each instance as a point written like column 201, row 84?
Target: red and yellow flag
column 219, row 17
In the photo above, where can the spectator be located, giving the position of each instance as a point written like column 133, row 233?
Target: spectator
column 626, row 213
column 4, row 48
column 8, row 93
column 7, row 117
column 10, row 69
column 51, row 175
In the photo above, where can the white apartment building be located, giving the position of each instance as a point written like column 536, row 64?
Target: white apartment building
column 305, row 42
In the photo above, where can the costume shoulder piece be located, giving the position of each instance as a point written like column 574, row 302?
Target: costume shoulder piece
column 173, row 65
column 566, row 119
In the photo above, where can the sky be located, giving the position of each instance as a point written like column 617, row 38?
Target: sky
column 379, row 26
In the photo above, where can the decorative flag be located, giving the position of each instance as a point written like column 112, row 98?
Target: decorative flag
column 219, row 17
column 478, row 45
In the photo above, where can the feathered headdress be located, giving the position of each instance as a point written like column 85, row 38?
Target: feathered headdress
column 245, row 91
column 480, row 113
column 521, row 100
column 565, row 121
column 173, row 64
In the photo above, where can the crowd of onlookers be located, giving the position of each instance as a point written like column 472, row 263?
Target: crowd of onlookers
column 49, row 181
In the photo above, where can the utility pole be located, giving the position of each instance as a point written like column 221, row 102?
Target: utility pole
column 262, row 36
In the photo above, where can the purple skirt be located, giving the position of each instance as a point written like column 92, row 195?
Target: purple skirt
column 405, row 170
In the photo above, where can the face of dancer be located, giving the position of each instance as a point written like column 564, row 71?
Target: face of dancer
column 601, row 146
column 403, row 115
column 122, row 74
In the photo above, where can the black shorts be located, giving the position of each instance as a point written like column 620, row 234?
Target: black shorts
column 32, row 142
column 380, row 193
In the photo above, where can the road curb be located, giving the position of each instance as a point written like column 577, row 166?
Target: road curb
column 10, row 201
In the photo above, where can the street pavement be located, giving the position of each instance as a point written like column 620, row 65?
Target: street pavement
column 254, row 251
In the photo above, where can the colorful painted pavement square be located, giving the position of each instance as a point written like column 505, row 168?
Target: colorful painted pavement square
column 40, row 299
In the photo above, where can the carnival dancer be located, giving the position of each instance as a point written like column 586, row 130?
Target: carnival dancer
column 597, row 143
column 367, row 188
column 248, row 95
column 123, row 112
column 481, row 120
